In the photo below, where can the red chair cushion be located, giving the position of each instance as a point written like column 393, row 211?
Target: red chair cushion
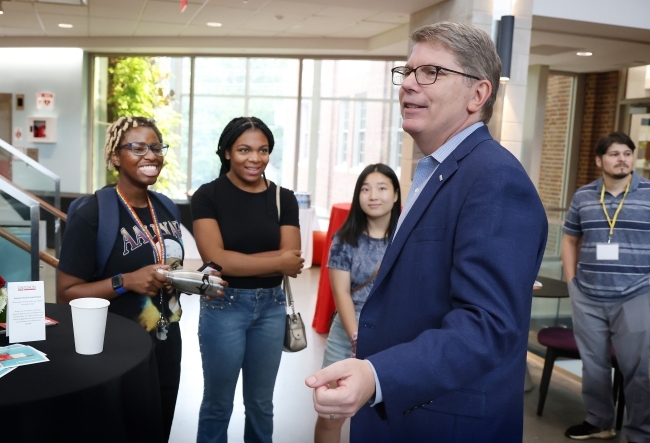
column 557, row 337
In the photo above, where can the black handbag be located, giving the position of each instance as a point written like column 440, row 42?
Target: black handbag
column 295, row 338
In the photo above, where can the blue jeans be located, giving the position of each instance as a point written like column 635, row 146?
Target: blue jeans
column 242, row 331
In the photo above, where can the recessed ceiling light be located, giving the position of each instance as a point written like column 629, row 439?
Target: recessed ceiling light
column 584, row 53
column 214, row 24
column 65, row 25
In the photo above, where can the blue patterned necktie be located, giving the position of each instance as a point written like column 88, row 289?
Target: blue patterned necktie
column 423, row 171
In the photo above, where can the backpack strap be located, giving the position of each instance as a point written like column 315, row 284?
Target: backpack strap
column 109, row 221
column 169, row 205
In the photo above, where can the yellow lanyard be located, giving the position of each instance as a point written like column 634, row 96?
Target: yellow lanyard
column 612, row 222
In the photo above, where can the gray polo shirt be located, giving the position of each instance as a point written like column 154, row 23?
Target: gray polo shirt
column 629, row 276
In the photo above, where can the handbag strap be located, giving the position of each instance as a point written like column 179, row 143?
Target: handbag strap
column 285, row 279
column 367, row 282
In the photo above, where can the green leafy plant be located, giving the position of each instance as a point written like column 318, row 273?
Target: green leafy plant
column 138, row 87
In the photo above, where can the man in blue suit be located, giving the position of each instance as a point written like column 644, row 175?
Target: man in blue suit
column 441, row 353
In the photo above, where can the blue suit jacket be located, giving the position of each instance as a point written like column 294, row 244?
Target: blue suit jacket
column 446, row 323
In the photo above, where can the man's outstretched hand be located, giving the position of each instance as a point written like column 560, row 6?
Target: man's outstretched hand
column 356, row 385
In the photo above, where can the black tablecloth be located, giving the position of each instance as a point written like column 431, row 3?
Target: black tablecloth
column 112, row 396
column 551, row 288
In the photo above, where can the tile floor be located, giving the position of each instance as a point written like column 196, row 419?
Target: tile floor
column 294, row 414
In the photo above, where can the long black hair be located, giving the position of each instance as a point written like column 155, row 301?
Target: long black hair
column 233, row 130
column 357, row 221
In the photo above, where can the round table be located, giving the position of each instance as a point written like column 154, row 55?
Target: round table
column 325, row 306
column 112, row 396
column 551, row 288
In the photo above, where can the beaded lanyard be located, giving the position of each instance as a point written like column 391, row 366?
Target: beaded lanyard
column 159, row 251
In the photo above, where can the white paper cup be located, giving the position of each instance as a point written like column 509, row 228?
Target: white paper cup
column 89, row 324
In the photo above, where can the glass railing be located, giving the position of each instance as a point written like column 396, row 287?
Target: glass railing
column 547, row 312
column 19, row 229
column 30, row 177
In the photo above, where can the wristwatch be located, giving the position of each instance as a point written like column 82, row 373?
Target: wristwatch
column 118, row 284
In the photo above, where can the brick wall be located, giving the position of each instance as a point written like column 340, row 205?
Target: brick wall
column 554, row 143
column 554, row 151
column 599, row 119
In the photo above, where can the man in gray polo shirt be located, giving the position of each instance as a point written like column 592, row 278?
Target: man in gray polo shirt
column 606, row 259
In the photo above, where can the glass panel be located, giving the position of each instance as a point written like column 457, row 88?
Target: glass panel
column 351, row 124
column 280, row 116
column 555, row 143
column 373, row 78
column 15, row 220
column 220, row 76
column 100, row 120
column 638, row 82
column 307, row 78
column 640, row 135
column 211, row 115
column 28, row 178
column 273, row 77
column 169, row 118
column 158, row 89
column 555, row 158
column 547, row 312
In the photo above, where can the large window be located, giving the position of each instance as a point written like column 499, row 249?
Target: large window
column 330, row 118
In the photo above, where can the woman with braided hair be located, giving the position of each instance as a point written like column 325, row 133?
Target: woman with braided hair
column 147, row 236
column 236, row 225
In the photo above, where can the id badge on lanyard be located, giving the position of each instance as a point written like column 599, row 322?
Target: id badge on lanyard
column 609, row 250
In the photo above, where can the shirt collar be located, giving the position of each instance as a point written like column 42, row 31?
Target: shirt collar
column 634, row 184
column 440, row 154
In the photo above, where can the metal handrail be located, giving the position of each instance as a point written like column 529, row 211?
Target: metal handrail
column 45, row 205
column 57, row 190
column 22, row 244
column 34, row 216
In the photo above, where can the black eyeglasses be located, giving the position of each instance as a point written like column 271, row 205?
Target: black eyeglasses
column 424, row 75
column 141, row 148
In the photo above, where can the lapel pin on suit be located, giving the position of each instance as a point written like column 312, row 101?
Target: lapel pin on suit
column 440, row 177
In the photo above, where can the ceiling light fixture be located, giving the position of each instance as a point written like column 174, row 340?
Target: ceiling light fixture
column 65, row 25
column 584, row 53
column 214, row 24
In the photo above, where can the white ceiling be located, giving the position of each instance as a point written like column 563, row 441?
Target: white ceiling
column 285, row 26
column 292, row 27
column 613, row 47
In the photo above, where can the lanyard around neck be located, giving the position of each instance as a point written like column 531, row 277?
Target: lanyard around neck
column 159, row 253
column 612, row 221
